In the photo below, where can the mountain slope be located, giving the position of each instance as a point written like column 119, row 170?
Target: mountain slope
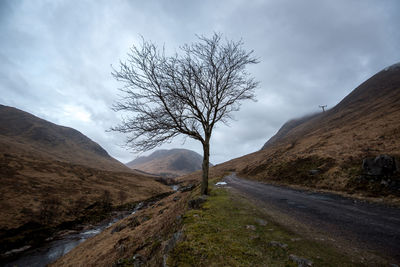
column 169, row 163
column 25, row 134
column 286, row 128
column 366, row 123
column 53, row 176
column 372, row 102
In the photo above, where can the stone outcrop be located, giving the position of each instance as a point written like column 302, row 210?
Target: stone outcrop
column 382, row 165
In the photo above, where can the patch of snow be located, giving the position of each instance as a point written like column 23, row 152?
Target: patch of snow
column 392, row 67
column 221, row 183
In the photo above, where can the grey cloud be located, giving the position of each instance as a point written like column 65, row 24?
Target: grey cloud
column 56, row 57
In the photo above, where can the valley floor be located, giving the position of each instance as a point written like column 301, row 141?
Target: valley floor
column 246, row 223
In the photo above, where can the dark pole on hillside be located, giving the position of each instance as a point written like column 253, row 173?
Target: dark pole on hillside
column 323, row 107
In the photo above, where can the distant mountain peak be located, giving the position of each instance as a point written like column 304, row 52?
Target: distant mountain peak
column 170, row 163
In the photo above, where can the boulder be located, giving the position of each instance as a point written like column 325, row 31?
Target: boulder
column 251, row 227
column 313, row 172
column 170, row 245
column 118, row 228
column 197, row 202
column 301, row 262
column 261, row 222
column 190, row 187
column 278, row 244
column 138, row 260
column 382, row 165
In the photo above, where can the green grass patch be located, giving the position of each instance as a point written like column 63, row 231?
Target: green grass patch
column 231, row 231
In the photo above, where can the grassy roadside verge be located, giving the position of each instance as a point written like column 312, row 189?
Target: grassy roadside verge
column 231, row 231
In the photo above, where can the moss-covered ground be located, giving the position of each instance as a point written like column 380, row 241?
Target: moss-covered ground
column 231, row 231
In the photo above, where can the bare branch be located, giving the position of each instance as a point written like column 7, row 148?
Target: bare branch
column 186, row 93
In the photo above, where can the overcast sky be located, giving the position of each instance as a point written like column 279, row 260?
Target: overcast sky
column 56, row 57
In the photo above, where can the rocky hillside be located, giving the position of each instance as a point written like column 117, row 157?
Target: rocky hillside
column 326, row 150
column 168, row 163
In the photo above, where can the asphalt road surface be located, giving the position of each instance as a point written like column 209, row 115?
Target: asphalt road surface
column 370, row 226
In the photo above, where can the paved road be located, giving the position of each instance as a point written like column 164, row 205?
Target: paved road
column 373, row 226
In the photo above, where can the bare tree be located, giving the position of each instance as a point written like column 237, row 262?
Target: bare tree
column 186, row 93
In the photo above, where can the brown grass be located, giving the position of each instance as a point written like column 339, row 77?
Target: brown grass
column 145, row 233
column 25, row 183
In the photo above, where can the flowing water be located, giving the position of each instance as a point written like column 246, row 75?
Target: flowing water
column 175, row 187
column 53, row 250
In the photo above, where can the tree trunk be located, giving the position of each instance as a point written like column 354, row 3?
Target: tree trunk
column 205, row 166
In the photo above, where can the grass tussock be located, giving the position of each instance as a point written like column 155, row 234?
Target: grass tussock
column 230, row 231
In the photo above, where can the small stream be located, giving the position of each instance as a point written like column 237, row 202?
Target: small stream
column 55, row 249
column 175, row 187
